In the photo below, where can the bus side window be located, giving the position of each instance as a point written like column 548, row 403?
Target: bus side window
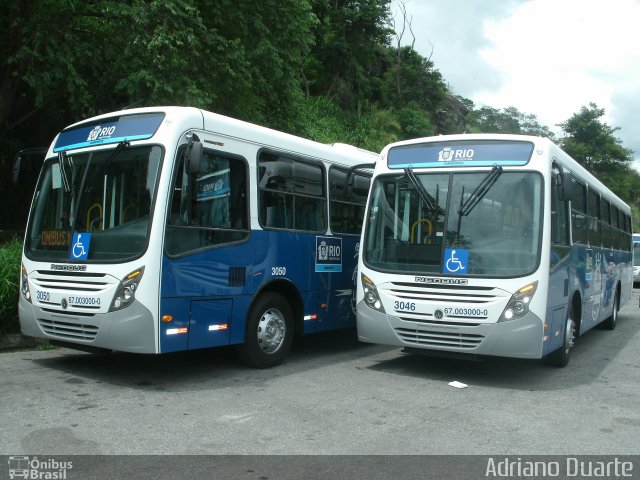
column 212, row 193
column 347, row 205
column 307, row 215
column 292, row 193
column 558, row 216
column 214, row 202
column 595, row 223
column 579, row 221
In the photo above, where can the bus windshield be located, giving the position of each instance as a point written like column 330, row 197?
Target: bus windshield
column 490, row 222
column 107, row 193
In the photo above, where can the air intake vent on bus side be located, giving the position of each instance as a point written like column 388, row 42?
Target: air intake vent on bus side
column 237, row 276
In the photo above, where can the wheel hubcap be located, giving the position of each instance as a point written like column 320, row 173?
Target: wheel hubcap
column 271, row 331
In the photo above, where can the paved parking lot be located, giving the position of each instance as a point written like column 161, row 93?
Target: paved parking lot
column 333, row 396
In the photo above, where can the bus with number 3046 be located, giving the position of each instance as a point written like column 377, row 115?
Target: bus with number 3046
column 490, row 245
column 165, row 229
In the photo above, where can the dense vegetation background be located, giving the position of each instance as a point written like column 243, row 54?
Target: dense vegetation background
column 330, row 70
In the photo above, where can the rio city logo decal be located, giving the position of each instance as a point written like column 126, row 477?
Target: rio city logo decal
column 448, row 154
column 328, row 254
column 101, row 133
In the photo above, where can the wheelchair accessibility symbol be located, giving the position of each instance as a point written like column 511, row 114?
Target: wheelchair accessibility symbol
column 80, row 246
column 456, row 260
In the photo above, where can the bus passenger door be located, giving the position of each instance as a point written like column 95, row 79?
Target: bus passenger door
column 559, row 271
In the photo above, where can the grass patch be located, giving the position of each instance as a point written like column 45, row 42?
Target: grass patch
column 10, row 254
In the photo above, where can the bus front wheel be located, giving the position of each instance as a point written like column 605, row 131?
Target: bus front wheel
column 269, row 333
column 560, row 358
column 610, row 323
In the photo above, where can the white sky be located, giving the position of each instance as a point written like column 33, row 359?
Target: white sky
column 545, row 57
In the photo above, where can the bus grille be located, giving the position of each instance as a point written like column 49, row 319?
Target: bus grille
column 429, row 319
column 434, row 338
column 70, row 331
column 85, row 282
column 64, row 284
column 443, row 293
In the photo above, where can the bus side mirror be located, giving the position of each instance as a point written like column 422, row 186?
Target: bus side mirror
column 565, row 182
column 565, row 188
column 22, row 160
column 194, row 158
column 16, row 169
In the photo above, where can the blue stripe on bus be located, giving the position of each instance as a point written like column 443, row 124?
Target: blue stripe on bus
column 105, row 141
column 201, row 280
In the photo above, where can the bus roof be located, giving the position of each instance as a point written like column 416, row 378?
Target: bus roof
column 540, row 144
column 238, row 129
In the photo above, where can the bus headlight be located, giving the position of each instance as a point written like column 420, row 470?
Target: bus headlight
column 518, row 306
column 371, row 297
column 24, row 284
column 126, row 292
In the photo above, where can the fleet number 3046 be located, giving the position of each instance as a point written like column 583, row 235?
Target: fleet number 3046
column 405, row 306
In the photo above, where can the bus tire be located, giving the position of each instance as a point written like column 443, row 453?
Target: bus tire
column 560, row 358
column 269, row 333
column 610, row 323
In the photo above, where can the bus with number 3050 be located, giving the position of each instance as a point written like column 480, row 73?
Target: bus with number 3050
column 490, row 245
column 164, row 229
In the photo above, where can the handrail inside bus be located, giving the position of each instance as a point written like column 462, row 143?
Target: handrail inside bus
column 415, row 224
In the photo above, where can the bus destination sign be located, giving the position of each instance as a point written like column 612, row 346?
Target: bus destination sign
column 460, row 154
column 112, row 130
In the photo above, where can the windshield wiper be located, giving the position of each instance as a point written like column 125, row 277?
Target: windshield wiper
column 62, row 159
column 121, row 146
column 480, row 191
column 424, row 195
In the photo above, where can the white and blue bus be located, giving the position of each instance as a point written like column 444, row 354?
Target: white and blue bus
column 489, row 245
column 164, row 229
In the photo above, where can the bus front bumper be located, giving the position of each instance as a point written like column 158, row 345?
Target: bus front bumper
column 128, row 330
column 521, row 338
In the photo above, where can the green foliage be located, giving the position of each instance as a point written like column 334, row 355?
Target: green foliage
column 413, row 89
column 350, row 36
column 321, row 69
column 235, row 57
column 635, row 217
column 319, row 119
column 375, row 128
column 9, row 285
column 412, row 79
column 594, row 145
column 415, row 122
column 322, row 120
column 508, row 120
column 592, row 142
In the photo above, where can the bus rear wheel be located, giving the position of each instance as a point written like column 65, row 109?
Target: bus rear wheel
column 560, row 358
column 269, row 332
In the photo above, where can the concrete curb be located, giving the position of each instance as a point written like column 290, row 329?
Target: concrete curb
column 16, row 340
